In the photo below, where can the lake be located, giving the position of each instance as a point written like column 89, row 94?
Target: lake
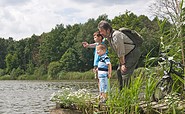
column 33, row 97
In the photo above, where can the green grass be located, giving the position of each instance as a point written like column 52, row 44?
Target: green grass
column 127, row 101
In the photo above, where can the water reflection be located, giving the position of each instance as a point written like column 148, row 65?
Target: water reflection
column 32, row 97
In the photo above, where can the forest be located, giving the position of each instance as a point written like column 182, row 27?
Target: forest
column 60, row 50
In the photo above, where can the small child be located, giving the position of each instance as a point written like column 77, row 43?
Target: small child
column 98, row 38
column 104, row 71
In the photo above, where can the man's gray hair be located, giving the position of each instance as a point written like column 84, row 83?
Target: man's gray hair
column 104, row 25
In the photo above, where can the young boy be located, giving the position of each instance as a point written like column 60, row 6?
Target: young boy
column 98, row 38
column 104, row 71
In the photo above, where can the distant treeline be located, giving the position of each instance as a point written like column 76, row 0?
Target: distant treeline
column 60, row 50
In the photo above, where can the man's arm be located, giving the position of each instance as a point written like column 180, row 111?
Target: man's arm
column 122, row 60
column 121, row 51
column 122, row 64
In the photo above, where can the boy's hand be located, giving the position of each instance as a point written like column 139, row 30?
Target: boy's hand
column 95, row 69
column 109, row 76
column 85, row 44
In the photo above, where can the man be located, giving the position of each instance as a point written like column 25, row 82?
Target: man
column 127, row 52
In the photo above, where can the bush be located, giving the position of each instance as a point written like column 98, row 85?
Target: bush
column 39, row 72
column 76, row 75
column 16, row 72
column 5, row 77
column 30, row 68
column 53, row 69
column 22, row 77
column 2, row 72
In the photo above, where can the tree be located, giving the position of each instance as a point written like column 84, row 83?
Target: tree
column 11, row 62
column 51, row 48
column 19, row 51
column 3, row 52
column 53, row 69
column 146, row 28
column 31, row 51
column 69, row 61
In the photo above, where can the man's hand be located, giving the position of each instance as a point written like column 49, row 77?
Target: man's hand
column 122, row 64
column 123, row 68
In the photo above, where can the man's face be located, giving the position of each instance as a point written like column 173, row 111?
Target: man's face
column 103, row 32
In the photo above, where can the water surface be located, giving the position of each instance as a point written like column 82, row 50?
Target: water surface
column 33, row 97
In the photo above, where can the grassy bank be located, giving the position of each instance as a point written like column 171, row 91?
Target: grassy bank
column 60, row 76
column 127, row 101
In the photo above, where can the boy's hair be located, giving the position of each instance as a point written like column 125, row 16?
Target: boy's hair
column 97, row 33
column 102, row 47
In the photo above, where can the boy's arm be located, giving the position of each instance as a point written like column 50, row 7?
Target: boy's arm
column 86, row 45
column 92, row 45
column 109, row 70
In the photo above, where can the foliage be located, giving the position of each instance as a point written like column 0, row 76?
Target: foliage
column 113, row 57
column 126, row 101
column 70, row 98
column 146, row 28
column 76, row 75
column 5, row 77
column 35, row 55
column 173, row 39
column 16, row 72
column 69, row 60
column 11, row 62
column 2, row 72
column 30, row 68
column 53, row 69
column 39, row 72
column 31, row 77
column 3, row 52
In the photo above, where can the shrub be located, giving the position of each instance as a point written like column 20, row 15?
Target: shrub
column 2, row 72
column 39, row 72
column 76, row 75
column 5, row 77
column 16, row 72
column 53, row 69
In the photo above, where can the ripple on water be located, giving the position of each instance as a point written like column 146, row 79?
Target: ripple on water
column 33, row 97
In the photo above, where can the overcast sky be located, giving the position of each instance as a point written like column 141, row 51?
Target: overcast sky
column 23, row 18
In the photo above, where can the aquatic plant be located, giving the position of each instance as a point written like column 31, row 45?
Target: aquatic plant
column 73, row 99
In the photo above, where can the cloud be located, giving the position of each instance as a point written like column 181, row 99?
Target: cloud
column 106, row 2
column 12, row 2
column 23, row 18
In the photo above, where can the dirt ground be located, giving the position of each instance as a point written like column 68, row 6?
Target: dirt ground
column 64, row 111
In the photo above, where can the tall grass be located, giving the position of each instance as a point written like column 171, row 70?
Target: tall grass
column 128, row 99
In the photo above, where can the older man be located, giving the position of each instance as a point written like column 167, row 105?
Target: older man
column 127, row 52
